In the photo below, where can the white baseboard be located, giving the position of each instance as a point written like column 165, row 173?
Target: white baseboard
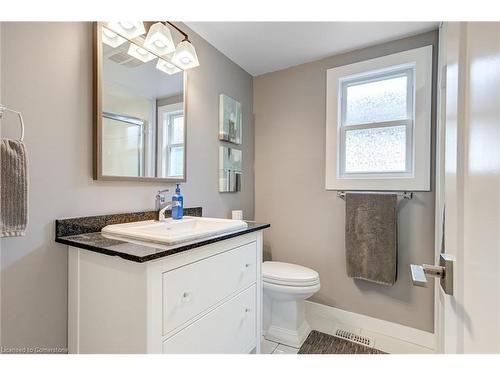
column 284, row 336
column 389, row 337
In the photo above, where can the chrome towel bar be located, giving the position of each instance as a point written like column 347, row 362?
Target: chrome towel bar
column 402, row 194
column 4, row 109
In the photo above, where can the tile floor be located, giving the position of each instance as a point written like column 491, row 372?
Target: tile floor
column 270, row 347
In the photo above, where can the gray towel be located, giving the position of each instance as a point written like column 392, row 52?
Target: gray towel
column 13, row 188
column 371, row 237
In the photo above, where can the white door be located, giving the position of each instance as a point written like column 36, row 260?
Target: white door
column 468, row 186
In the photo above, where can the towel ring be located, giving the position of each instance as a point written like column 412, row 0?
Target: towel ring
column 4, row 109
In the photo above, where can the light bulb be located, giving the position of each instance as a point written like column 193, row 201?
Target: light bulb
column 127, row 29
column 140, row 53
column 159, row 44
column 127, row 25
column 159, row 40
column 111, row 38
column 109, row 33
column 185, row 55
column 167, row 67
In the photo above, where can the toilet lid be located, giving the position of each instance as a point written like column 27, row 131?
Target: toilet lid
column 288, row 274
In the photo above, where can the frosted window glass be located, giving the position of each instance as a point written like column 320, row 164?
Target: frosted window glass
column 375, row 150
column 178, row 129
column 176, row 161
column 378, row 101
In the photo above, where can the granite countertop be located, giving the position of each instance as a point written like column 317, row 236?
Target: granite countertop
column 85, row 233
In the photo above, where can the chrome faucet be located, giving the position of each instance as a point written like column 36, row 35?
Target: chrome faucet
column 161, row 205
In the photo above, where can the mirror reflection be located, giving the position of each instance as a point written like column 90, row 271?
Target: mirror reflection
column 143, row 126
column 230, row 169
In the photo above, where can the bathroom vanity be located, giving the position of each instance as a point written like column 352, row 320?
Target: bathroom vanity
column 127, row 296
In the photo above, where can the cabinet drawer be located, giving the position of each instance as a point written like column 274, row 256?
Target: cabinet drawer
column 228, row 329
column 190, row 290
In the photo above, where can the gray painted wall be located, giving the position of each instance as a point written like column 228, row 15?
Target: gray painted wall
column 46, row 73
column 307, row 222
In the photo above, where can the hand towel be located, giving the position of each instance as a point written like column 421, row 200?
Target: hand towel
column 13, row 188
column 371, row 237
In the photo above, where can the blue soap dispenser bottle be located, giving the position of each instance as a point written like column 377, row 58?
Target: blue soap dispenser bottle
column 177, row 211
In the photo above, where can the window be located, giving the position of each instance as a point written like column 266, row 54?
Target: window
column 175, row 144
column 378, row 123
column 171, row 140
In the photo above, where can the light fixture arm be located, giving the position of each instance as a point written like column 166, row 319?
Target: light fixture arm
column 179, row 30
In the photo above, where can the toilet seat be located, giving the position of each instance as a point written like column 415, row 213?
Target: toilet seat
column 292, row 290
column 287, row 274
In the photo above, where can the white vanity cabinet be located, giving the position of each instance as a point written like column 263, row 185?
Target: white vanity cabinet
column 203, row 300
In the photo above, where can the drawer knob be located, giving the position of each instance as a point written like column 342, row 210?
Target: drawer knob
column 186, row 296
column 247, row 310
column 247, row 265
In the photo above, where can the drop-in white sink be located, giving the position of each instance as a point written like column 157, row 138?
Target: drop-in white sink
column 171, row 232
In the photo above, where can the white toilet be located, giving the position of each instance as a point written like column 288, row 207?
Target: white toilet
column 286, row 286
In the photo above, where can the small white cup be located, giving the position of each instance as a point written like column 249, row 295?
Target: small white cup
column 237, row 215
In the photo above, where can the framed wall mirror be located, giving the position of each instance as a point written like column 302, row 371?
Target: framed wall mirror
column 140, row 113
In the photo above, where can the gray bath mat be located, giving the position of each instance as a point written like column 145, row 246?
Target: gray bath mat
column 321, row 343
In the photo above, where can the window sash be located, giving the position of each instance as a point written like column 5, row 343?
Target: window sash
column 409, row 150
column 171, row 119
column 169, row 153
column 393, row 72
column 169, row 146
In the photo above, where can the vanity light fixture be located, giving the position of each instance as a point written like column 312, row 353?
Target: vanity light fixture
column 111, row 38
column 157, row 44
column 167, row 67
column 159, row 39
column 140, row 53
column 185, row 55
column 127, row 29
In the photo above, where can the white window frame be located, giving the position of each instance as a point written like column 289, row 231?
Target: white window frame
column 416, row 64
column 169, row 144
column 393, row 72
column 164, row 141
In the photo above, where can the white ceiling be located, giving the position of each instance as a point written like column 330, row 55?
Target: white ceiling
column 262, row 47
